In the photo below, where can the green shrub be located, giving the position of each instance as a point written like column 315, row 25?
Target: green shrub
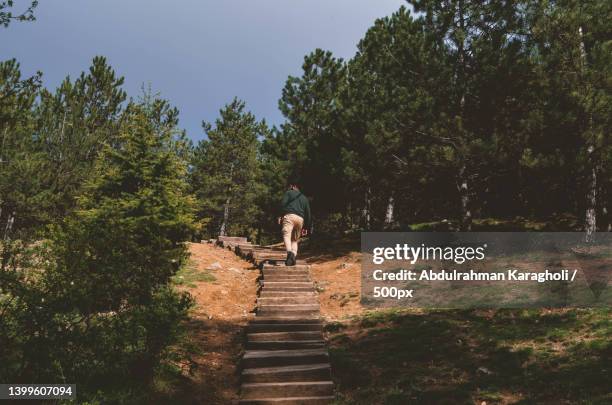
column 93, row 305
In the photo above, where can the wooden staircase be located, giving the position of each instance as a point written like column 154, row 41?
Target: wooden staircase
column 286, row 359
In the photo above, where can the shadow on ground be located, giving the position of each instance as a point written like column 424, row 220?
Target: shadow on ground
column 466, row 357
column 211, row 373
column 322, row 249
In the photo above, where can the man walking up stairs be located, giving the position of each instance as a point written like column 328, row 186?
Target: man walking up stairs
column 295, row 220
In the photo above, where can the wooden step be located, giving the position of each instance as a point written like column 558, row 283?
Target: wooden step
column 287, row 389
column 243, row 251
column 285, row 312
column 281, row 294
column 241, row 247
column 284, row 336
column 275, row 358
column 285, row 344
column 324, row 400
column 262, row 262
column 272, row 296
column 308, row 372
column 246, row 245
column 285, row 320
column 284, row 277
column 292, row 277
column 301, row 267
column 287, row 283
column 288, row 309
column 227, row 245
column 309, row 300
column 277, row 299
column 279, row 255
column 276, row 273
column 283, row 327
column 282, row 267
column 270, row 288
column 236, row 239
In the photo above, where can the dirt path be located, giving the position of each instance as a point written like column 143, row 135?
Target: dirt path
column 223, row 304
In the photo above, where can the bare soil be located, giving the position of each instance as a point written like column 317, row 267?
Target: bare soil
column 222, row 309
column 339, row 284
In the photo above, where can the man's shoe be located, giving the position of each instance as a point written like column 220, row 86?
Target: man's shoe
column 290, row 261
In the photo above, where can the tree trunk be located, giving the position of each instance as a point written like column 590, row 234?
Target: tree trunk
column 9, row 225
column 3, row 143
column 365, row 214
column 390, row 209
column 464, row 193
column 605, row 224
column 349, row 220
column 226, row 207
column 223, row 230
column 466, row 214
column 591, row 216
column 591, row 206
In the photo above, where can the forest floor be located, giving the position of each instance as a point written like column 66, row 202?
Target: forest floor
column 224, row 289
column 398, row 356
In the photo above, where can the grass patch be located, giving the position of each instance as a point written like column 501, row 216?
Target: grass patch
column 564, row 222
column 189, row 274
column 334, row 326
column 469, row 356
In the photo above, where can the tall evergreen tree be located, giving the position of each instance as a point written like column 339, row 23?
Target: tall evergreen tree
column 226, row 172
column 388, row 106
column 98, row 308
column 574, row 46
column 482, row 41
column 20, row 165
column 73, row 125
column 312, row 107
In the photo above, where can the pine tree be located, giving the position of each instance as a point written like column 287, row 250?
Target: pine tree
column 99, row 308
column 573, row 43
column 482, row 41
column 388, row 106
column 311, row 137
column 73, row 124
column 20, row 164
column 226, row 172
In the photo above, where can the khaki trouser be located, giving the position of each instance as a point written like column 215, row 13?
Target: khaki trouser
column 292, row 230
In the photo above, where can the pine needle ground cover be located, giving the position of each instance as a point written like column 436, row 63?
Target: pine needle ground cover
column 451, row 357
column 437, row 356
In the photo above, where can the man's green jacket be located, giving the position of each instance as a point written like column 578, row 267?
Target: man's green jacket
column 294, row 202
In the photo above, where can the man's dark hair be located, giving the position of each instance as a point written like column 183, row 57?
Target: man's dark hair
column 293, row 181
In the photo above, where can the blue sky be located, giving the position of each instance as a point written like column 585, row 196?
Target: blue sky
column 199, row 54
